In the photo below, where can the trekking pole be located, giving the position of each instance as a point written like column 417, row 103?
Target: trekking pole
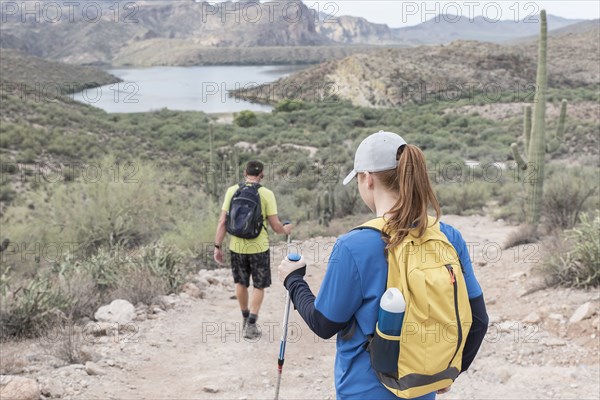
column 286, row 314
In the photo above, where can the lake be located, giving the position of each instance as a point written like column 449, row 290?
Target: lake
column 202, row 88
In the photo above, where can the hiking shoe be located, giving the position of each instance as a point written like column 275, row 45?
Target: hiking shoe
column 244, row 324
column 252, row 332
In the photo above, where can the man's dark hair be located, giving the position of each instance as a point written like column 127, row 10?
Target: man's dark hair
column 254, row 168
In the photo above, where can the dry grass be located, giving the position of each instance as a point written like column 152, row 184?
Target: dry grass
column 12, row 362
column 522, row 235
column 139, row 286
column 66, row 344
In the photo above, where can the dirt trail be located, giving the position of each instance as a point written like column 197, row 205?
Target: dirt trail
column 194, row 350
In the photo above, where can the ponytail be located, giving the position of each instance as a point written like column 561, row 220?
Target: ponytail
column 411, row 180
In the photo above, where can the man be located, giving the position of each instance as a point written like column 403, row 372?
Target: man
column 250, row 257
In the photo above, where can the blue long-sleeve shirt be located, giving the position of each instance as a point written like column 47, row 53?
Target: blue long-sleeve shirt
column 353, row 285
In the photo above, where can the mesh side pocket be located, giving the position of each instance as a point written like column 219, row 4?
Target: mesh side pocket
column 384, row 351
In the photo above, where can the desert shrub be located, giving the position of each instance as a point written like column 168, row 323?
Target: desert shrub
column 27, row 157
column 138, row 285
column 463, row 198
column 77, row 284
column 578, row 264
column 13, row 362
column 522, row 235
column 66, row 344
column 31, row 309
column 7, row 194
column 288, row 105
column 105, row 265
column 116, row 205
column 565, row 196
column 245, row 119
column 194, row 224
column 164, row 262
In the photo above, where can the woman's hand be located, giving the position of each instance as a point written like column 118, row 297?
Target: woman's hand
column 287, row 268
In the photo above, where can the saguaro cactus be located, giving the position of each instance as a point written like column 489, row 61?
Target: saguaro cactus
column 534, row 131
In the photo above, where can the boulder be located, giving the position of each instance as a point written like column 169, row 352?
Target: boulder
column 53, row 389
column 192, row 290
column 94, row 369
column 584, row 311
column 18, row 388
column 119, row 311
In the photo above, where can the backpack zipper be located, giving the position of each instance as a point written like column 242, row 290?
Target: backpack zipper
column 455, row 287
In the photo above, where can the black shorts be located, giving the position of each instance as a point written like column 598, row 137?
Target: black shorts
column 258, row 265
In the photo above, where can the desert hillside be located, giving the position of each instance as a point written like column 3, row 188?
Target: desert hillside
column 393, row 77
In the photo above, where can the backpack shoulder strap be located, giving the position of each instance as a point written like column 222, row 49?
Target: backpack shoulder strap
column 375, row 224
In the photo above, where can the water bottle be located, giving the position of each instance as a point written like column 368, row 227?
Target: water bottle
column 391, row 312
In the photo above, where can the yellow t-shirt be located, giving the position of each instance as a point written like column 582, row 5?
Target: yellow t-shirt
column 259, row 244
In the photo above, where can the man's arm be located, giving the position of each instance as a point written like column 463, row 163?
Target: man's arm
column 219, row 236
column 277, row 226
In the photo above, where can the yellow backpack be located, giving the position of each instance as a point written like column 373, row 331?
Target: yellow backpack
column 427, row 355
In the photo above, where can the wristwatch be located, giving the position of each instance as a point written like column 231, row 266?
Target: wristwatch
column 218, row 246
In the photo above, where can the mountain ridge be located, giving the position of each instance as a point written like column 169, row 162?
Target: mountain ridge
column 202, row 27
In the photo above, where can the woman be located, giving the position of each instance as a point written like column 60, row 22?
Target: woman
column 393, row 182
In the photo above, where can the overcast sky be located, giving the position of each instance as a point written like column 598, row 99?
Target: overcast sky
column 398, row 13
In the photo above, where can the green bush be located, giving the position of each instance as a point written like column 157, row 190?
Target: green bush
column 574, row 260
column 112, row 205
column 194, row 225
column 31, row 309
column 245, row 119
column 566, row 194
column 164, row 262
column 288, row 105
column 463, row 198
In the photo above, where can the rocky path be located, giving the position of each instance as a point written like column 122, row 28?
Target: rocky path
column 195, row 350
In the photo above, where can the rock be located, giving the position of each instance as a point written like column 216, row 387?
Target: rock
column 141, row 317
column 88, row 354
column 18, row 388
column 167, row 302
column 119, row 311
column 212, row 280
column 73, row 369
column 53, row 389
column 210, row 389
column 552, row 342
column 584, row 311
column 94, row 369
column 532, row 318
column 110, row 363
column 192, row 290
column 201, row 283
column 557, row 317
column 517, row 276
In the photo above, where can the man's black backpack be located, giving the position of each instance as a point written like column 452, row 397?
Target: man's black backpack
column 245, row 219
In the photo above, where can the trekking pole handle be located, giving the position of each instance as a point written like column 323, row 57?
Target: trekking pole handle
column 295, row 257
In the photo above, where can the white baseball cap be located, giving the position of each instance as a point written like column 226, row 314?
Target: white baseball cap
column 376, row 153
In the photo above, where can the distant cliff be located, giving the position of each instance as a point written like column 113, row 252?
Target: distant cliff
column 392, row 77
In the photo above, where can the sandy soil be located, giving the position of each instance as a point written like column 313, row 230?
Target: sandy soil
column 196, row 351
